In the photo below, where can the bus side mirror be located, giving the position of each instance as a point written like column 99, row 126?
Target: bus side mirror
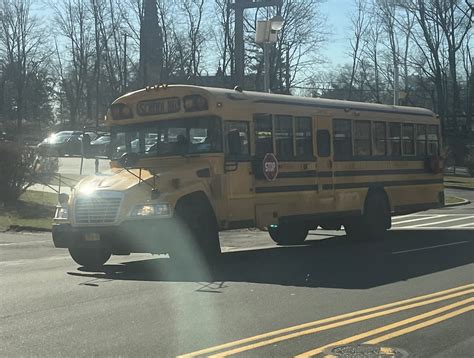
column 128, row 160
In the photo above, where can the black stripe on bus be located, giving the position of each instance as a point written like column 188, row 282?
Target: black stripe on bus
column 349, row 105
column 387, row 183
column 302, row 174
column 285, row 189
column 325, row 174
column 348, row 173
column 293, row 188
column 373, row 158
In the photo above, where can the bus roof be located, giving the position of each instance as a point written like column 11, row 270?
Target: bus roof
column 271, row 98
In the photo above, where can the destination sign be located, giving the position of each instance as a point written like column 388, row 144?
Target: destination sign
column 159, row 106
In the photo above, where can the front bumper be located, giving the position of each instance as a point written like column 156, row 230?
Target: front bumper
column 154, row 236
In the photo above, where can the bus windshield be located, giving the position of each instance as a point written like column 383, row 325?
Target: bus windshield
column 168, row 137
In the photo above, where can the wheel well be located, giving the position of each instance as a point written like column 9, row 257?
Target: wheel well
column 198, row 201
column 378, row 191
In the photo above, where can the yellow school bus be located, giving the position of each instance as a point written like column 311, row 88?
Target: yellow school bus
column 188, row 162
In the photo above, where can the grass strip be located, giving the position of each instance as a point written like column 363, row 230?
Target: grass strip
column 453, row 200
column 34, row 209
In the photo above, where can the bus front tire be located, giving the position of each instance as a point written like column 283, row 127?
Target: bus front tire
column 90, row 257
column 196, row 216
column 375, row 221
column 288, row 234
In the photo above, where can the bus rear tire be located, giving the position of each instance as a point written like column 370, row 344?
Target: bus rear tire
column 90, row 257
column 288, row 234
column 374, row 222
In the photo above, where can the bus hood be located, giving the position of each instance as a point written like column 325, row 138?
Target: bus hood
column 117, row 179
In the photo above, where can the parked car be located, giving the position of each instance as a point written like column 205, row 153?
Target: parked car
column 4, row 137
column 101, row 145
column 64, row 143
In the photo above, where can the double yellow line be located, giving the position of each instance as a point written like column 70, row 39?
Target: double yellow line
column 284, row 334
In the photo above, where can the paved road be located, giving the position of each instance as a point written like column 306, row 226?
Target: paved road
column 71, row 165
column 413, row 290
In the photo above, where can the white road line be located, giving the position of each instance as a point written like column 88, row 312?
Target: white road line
column 26, row 243
column 433, row 228
column 429, row 247
column 418, row 215
column 408, row 215
column 418, row 219
column 444, row 221
column 464, row 225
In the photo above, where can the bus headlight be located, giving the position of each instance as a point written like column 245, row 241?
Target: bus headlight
column 151, row 210
column 62, row 213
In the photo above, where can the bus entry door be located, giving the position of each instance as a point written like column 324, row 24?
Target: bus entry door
column 325, row 165
column 238, row 180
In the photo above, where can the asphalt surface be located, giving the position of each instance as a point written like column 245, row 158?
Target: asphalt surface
column 144, row 305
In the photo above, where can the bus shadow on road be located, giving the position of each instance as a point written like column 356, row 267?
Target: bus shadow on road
column 336, row 262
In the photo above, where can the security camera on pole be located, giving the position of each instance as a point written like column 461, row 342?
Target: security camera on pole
column 267, row 34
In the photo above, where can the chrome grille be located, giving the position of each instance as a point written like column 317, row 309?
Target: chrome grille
column 98, row 208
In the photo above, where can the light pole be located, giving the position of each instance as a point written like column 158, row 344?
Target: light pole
column 267, row 34
column 239, row 6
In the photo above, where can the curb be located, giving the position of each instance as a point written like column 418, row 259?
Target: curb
column 464, row 202
column 458, row 187
column 17, row 228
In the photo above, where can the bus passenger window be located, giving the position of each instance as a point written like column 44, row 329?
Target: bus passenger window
column 284, row 137
column 421, row 139
column 237, row 143
column 362, row 138
column 323, row 141
column 394, row 137
column 263, row 134
column 433, row 143
column 342, row 132
column 380, row 138
column 304, row 138
column 408, row 138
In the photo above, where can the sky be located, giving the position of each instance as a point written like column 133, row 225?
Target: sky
column 338, row 20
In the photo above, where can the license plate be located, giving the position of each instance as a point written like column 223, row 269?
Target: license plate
column 91, row 236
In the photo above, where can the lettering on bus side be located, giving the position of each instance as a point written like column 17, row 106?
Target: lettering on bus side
column 159, row 106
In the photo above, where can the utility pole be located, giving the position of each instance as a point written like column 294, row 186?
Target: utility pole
column 239, row 6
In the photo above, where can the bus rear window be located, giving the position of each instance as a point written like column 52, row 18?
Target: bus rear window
column 433, row 140
column 421, row 139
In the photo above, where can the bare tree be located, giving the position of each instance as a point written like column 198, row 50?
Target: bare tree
column 360, row 22
column 223, row 34
column 194, row 11
column 22, row 52
column 74, row 23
